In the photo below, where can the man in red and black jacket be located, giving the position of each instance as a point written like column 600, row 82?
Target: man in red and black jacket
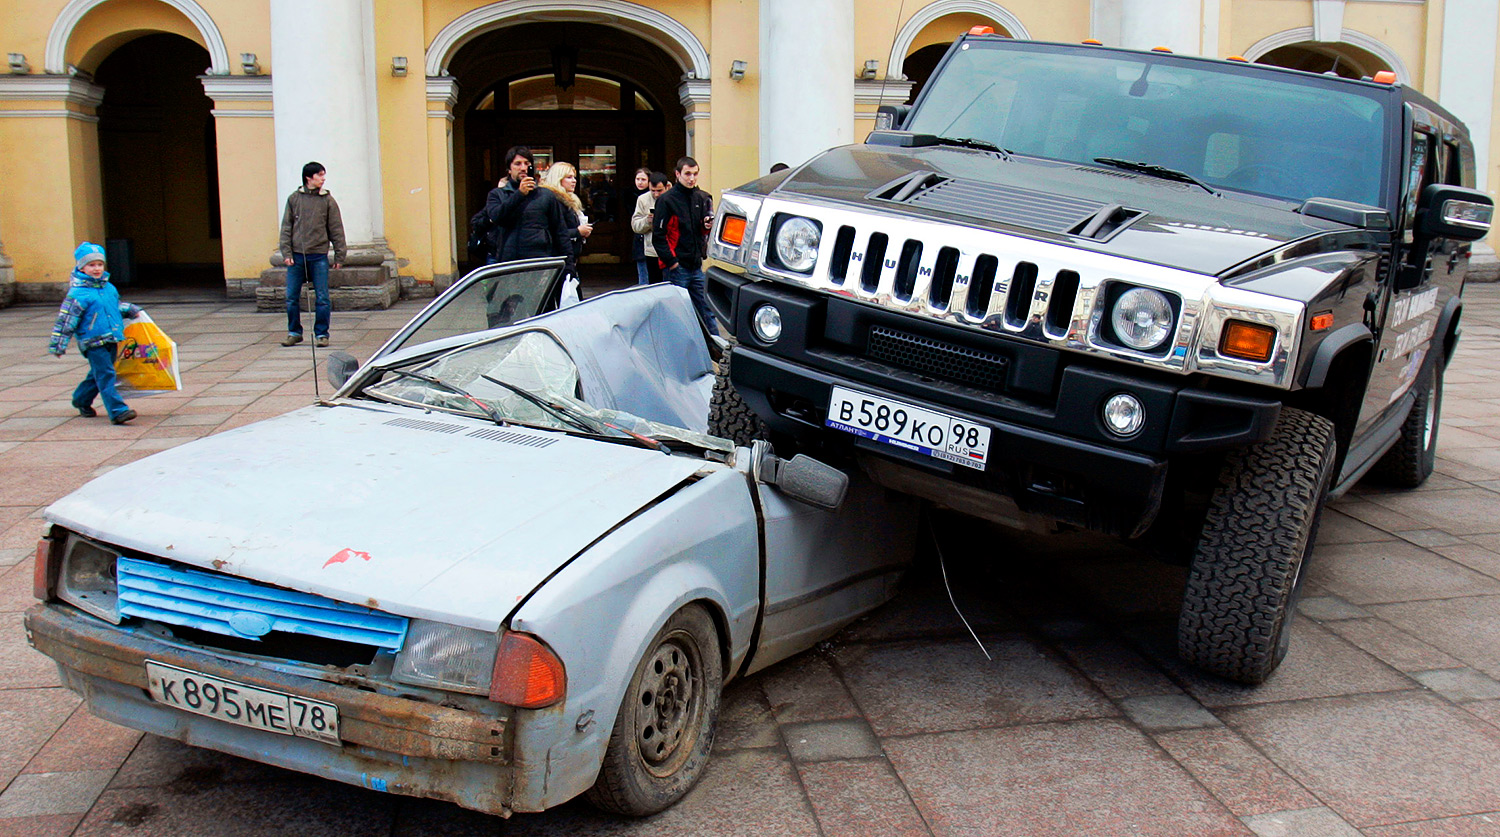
column 679, row 232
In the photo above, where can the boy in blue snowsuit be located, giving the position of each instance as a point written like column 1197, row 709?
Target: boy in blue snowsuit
column 94, row 314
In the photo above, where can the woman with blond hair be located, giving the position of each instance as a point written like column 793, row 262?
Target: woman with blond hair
column 553, row 224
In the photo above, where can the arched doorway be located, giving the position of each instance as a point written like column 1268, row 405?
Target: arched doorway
column 589, row 94
column 159, row 165
column 925, row 46
column 1345, row 60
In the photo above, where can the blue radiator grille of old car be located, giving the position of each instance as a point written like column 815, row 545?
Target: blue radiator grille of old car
column 239, row 608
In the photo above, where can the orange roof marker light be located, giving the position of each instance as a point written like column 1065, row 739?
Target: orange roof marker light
column 1385, row 77
column 981, row 30
column 1167, row 50
column 1240, row 58
column 1093, row 42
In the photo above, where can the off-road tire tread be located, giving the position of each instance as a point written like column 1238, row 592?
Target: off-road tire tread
column 729, row 417
column 1408, row 463
column 614, row 790
column 1241, row 581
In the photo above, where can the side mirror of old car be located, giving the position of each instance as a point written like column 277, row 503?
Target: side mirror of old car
column 341, row 367
column 1454, row 212
column 801, row 477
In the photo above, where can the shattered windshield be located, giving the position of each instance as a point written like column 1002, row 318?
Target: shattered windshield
column 1228, row 126
column 526, row 378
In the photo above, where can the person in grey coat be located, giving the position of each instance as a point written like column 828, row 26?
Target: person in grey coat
column 309, row 227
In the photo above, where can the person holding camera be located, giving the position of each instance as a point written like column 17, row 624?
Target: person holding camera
column 505, row 203
column 649, row 269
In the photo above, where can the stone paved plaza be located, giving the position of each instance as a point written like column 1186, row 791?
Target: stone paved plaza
column 1384, row 721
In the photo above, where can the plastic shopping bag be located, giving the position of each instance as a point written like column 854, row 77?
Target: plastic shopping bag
column 146, row 360
column 569, row 292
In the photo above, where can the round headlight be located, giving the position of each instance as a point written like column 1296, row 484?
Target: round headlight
column 797, row 244
column 1142, row 318
column 1123, row 414
column 766, row 322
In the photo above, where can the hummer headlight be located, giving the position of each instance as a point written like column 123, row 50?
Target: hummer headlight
column 797, row 244
column 447, row 657
column 1142, row 318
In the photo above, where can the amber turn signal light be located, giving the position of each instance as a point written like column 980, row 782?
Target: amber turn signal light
column 44, row 576
column 733, row 231
column 1247, row 341
column 527, row 674
column 1323, row 321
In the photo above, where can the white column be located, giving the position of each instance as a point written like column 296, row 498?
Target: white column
column 806, row 78
column 1467, row 76
column 1143, row 24
column 323, row 93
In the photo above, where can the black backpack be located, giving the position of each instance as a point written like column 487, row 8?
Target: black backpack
column 479, row 234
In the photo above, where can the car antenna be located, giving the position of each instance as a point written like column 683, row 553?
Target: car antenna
column 311, row 297
column 895, row 30
column 943, row 566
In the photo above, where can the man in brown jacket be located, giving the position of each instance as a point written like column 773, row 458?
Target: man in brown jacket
column 310, row 224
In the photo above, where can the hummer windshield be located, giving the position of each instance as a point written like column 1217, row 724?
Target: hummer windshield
column 1228, row 126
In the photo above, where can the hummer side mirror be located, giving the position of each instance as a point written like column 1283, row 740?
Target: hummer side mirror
column 890, row 117
column 1454, row 212
column 341, row 367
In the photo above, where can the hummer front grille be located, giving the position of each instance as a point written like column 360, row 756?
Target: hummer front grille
column 938, row 359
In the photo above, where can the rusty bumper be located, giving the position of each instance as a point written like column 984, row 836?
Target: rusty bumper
column 390, row 743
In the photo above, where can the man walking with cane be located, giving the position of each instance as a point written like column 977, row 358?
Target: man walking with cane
column 309, row 226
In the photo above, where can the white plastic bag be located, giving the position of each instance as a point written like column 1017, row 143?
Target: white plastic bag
column 569, row 292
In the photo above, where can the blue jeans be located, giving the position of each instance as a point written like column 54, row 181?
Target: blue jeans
column 303, row 267
column 100, row 380
column 697, row 290
column 642, row 274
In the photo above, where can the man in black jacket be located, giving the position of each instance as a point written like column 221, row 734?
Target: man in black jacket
column 679, row 233
column 504, row 204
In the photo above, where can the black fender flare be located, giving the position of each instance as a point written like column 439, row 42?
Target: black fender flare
column 1451, row 312
column 1316, row 374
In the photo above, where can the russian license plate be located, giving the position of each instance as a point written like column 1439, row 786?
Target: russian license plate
column 908, row 426
column 237, row 703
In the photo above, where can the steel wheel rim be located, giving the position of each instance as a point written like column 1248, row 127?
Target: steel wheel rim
column 669, row 704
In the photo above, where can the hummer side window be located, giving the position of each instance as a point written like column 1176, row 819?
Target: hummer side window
column 1420, row 174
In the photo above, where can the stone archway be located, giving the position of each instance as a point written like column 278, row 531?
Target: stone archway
column 988, row 12
column 1299, row 46
column 60, row 38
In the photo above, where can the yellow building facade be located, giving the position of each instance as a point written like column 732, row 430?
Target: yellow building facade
column 174, row 129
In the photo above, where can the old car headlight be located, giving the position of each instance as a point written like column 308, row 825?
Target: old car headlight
column 797, row 244
column 447, row 657
column 1142, row 318
column 87, row 580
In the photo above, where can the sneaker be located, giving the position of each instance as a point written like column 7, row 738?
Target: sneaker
column 123, row 417
column 87, row 412
column 322, row 341
column 292, row 340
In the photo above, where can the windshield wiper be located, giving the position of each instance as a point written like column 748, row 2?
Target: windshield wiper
column 491, row 412
column 971, row 142
column 573, row 417
column 1156, row 171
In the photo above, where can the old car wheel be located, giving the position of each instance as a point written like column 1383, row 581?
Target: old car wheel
column 1410, row 461
column 1246, row 571
column 662, row 737
column 729, row 417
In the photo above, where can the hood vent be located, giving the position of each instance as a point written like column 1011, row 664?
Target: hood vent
column 991, row 202
column 1106, row 222
column 491, row 434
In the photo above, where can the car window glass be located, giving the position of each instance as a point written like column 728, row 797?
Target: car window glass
column 1263, row 132
column 1453, row 173
column 491, row 302
column 1418, row 174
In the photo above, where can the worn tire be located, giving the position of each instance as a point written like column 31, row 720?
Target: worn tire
column 729, row 417
column 661, row 740
column 1246, row 570
column 1410, row 462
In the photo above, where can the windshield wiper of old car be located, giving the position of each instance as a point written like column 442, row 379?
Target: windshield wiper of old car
column 971, row 142
column 491, row 412
column 573, row 417
column 1156, row 171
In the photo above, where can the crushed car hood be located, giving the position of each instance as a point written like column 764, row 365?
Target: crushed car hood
column 1184, row 225
column 417, row 513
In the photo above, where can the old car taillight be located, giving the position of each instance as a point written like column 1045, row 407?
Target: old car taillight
column 527, row 674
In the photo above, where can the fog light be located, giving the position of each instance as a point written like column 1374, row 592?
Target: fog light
column 1124, row 415
column 766, row 322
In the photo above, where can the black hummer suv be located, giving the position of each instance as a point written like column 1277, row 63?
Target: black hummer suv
column 1176, row 299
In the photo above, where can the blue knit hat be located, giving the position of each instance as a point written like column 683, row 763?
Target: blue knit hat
column 87, row 252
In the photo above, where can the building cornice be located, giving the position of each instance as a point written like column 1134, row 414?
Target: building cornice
column 879, row 92
column 237, row 88
column 694, row 91
column 50, row 88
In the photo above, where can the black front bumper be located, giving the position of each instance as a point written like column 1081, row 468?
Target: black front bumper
column 1049, row 449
